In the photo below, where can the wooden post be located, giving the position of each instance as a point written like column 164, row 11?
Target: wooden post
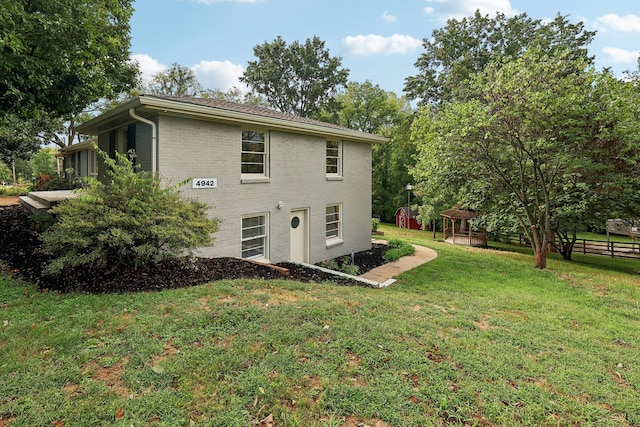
column 612, row 250
column 453, row 230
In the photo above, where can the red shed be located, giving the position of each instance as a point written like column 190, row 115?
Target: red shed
column 401, row 219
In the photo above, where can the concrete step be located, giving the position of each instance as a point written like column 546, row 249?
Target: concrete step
column 52, row 197
column 40, row 202
column 35, row 205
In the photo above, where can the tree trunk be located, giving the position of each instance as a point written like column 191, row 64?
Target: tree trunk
column 541, row 258
column 567, row 250
column 566, row 244
column 13, row 171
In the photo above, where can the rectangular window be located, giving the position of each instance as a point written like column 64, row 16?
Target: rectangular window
column 334, row 158
column 255, row 150
column 254, row 236
column 333, row 222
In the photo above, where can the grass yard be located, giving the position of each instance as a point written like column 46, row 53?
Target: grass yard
column 475, row 337
column 603, row 237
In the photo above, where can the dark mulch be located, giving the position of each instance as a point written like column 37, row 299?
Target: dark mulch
column 19, row 249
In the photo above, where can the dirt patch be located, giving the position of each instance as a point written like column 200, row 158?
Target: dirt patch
column 483, row 323
column 111, row 376
column 19, row 248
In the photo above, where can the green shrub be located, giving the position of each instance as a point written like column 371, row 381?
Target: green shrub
column 351, row 269
column 46, row 182
column 10, row 190
column 344, row 265
column 375, row 222
column 42, row 222
column 396, row 243
column 398, row 250
column 131, row 222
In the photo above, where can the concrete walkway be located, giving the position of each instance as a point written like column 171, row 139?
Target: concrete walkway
column 384, row 275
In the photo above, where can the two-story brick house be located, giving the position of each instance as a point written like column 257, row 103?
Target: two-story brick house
column 285, row 187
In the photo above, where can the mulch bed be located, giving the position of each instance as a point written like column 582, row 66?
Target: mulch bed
column 19, row 250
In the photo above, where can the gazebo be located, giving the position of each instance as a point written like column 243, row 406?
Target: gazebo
column 457, row 228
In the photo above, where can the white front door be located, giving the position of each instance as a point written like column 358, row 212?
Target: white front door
column 299, row 229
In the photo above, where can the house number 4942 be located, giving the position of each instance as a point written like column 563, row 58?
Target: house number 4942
column 204, row 183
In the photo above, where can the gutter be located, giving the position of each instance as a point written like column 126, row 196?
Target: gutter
column 154, row 139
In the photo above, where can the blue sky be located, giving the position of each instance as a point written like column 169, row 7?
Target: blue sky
column 378, row 40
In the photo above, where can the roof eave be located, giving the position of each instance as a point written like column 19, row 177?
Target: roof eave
column 159, row 105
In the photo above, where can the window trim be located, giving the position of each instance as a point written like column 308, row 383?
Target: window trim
column 265, row 236
column 257, row 176
column 333, row 240
column 338, row 156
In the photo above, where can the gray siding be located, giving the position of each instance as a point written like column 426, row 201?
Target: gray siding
column 143, row 146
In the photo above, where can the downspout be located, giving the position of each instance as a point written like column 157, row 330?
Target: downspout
column 154, row 139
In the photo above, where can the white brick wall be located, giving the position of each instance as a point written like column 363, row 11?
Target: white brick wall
column 191, row 148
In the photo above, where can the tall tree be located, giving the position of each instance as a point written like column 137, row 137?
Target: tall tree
column 177, row 80
column 392, row 162
column 367, row 108
column 298, row 78
column 58, row 56
column 467, row 46
column 19, row 139
column 5, row 173
column 543, row 137
column 44, row 162
column 234, row 94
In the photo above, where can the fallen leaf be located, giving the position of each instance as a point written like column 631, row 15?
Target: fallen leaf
column 5, row 323
column 119, row 413
column 58, row 423
column 267, row 421
column 157, row 369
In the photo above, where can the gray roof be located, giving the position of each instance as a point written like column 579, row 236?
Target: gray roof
column 222, row 111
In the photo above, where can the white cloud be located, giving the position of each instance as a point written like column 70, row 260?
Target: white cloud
column 616, row 55
column 374, row 44
column 221, row 75
column 388, row 18
column 458, row 9
column 627, row 23
column 148, row 66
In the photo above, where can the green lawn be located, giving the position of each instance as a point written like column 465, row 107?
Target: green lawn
column 475, row 337
column 603, row 237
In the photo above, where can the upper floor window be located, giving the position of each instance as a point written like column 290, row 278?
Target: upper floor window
column 255, row 153
column 334, row 158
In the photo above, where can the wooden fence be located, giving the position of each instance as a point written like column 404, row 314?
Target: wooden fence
column 592, row 247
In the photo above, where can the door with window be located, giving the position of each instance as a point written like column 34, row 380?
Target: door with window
column 299, row 235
